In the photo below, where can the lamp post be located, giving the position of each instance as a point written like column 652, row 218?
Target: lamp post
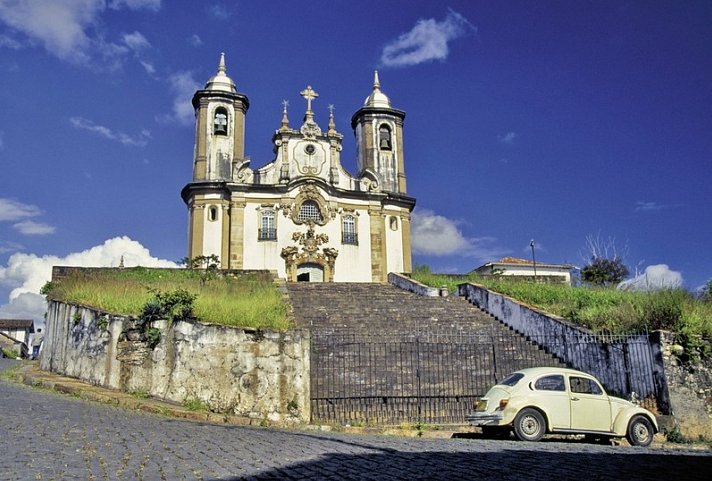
column 531, row 244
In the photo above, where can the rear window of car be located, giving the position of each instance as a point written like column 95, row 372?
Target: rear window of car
column 554, row 382
column 512, row 379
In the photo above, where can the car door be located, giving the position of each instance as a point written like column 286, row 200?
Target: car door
column 590, row 407
column 550, row 395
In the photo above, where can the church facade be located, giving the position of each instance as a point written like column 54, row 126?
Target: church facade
column 302, row 214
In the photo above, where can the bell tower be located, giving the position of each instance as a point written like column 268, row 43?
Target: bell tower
column 219, row 149
column 220, row 127
column 379, row 139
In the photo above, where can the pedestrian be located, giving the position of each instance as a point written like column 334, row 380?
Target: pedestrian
column 37, row 343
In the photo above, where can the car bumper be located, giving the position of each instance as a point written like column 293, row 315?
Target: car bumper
column 484, row 419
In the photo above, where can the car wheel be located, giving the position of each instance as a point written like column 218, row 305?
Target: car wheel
column 529, row 425
column 640, row 431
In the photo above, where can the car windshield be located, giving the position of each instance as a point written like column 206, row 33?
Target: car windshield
column 512, row 379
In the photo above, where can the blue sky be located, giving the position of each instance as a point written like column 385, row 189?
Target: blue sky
column 561, row 121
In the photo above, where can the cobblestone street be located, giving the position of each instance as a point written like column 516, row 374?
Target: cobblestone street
column 50, row 436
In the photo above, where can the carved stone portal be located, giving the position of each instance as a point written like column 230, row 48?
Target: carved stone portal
column 310, row 254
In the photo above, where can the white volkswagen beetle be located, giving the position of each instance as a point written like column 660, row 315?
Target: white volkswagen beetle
column 542, row 400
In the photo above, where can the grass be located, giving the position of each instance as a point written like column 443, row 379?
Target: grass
column 248, row 300
column 599, row 309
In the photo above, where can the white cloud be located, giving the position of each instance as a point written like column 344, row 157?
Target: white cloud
column 58, row 25
column 135, row 41
column 154, row 5
column 12, row 210
column 219, row 11
column 642, row 206
column 195, row 40
column 72, row 29
column 654, row 278
column 149, row 68
column 9, row 42
column 427, row 41
column 139, row 140
column 436, row 235
column 183, row 86
column 508, row 138
column 25, row 274
column 8, row 246
column 29, row 227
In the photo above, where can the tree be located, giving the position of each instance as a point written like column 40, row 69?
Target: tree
column 706, row 293
column 603, row 271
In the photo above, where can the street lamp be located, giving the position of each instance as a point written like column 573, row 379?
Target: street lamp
column 531, row 244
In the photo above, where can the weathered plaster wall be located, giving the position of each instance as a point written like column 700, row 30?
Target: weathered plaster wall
column 259, row 374
column 409, row 284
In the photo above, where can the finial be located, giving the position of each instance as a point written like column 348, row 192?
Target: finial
column 332, row 124
column 285, row 120
column 221, row 67
column 376, row 82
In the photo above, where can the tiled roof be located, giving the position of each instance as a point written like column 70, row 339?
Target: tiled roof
column 514, row 260
column 17, row 324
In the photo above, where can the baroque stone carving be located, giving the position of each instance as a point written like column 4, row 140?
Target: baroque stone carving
column 309, row 192
column 310, row 253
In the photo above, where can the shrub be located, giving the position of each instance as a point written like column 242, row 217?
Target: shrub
column 172, row 305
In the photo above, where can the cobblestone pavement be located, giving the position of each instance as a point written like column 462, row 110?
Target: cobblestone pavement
column 50, row 436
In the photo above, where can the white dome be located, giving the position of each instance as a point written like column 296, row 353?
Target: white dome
column 221, row 81
column 377, row 98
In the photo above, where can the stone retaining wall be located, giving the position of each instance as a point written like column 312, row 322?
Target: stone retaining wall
column 690, row 391
column 258, row 374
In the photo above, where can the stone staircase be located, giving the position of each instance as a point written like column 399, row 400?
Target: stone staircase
column 385, row 355
column 378, row 306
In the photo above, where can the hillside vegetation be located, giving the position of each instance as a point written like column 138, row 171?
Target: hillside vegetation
column 599, row 309
column 248, row 299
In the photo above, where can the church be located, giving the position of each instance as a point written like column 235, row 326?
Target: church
column 301, row 214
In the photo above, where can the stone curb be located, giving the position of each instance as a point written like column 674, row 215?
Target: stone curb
column 31, row 375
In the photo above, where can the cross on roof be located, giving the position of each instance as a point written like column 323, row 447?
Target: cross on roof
column 309, row 94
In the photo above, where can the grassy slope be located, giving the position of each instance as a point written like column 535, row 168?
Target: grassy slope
column 245, row 300
column 598, row 309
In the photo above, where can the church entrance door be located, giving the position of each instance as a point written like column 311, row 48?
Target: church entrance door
column 310, row 272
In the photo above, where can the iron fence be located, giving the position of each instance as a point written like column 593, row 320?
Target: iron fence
column 360, row 377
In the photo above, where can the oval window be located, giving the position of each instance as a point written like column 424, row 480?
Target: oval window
column 212, row 213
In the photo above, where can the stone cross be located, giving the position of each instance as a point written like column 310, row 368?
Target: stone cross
column 309, row 94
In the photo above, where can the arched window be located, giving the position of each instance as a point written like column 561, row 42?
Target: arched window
column 268, row 228
column 394, row 222
column 309, row 211
column 220, row 121
column 384, row 137
column 348, row 230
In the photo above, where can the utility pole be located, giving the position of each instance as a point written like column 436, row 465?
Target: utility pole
column 531, row 244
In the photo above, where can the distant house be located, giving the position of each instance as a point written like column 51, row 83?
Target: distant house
column 15, row 334
column 512, row 266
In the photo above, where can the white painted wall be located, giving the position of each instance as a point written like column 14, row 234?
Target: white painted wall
column 394, row 245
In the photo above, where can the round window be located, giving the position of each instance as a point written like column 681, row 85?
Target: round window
column 310, row 149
